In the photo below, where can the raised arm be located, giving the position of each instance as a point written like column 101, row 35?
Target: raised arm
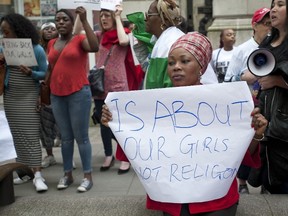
column 122, row 36
column 91, row 43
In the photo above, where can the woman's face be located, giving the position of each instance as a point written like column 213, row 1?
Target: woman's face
column 49, row 33
column 183, row 68
column 278, row 14
column 228, row 37
column 63, row 23
column 106, row 20
column 7, row 30
column 153, row 20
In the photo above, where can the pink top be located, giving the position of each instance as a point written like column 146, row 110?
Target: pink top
column 115, row 71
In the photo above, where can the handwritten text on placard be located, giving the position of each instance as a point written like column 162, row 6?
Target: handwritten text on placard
column 184, row 143
column 18, row 51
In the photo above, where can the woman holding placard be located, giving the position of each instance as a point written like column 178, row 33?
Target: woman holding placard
column 188, row 59
column 20, row 98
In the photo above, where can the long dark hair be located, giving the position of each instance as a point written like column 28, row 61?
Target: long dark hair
column 21, row 26
column 280, row 52
column 274, row 31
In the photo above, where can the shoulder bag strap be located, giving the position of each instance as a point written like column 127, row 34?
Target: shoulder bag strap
column 108, row 55
column 217, row 57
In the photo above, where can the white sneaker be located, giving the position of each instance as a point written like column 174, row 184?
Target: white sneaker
column 39, row 184
column 48, row 161
column 85, row 185
column 74, row 165
column 57, row 142
column 18, row 181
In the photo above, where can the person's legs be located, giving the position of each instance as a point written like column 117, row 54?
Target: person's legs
column 106, row 135
column 60, row 106
column 231, row 211
column 79, row 111
column 47, row 135
column 242, row 175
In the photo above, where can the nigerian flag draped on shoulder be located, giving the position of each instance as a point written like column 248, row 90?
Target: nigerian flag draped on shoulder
column 156, row 75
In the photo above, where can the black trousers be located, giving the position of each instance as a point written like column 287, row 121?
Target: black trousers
column 231, row 211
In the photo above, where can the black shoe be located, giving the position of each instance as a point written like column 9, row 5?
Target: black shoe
column 121, row 171
column 243, row 189
column 105, row 168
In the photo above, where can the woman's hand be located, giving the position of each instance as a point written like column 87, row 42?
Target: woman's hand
column 271, row 81
column 119, row 10
column 25, row 70
column 106, row 116
column 81, row 11
column 259, row 122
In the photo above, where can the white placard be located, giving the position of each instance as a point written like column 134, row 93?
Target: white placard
column 18, row 51
column 7, row 150
column 89, row 4
column 110, row 4
column 73, row 4
column 186, row 143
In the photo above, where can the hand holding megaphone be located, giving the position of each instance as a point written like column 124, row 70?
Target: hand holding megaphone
column 261, row 62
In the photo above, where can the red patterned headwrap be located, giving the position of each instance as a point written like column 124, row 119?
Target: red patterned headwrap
column 198, row 45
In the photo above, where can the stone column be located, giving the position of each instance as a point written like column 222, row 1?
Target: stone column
column 234, row 14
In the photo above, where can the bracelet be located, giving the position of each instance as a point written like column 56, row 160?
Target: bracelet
column 263, row 136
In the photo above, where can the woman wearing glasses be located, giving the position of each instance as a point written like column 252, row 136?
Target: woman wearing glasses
column 161, row 20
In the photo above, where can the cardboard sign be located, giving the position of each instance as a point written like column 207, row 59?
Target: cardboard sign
column 18, row 51
column 110, row 4
column 186, row 143
column 89, row 4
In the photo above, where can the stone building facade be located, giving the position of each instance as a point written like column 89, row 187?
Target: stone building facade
column 206, row 16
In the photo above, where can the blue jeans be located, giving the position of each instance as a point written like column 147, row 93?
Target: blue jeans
column 72, row 114
column 106, row 133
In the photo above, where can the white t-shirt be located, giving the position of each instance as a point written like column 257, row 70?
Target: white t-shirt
column 220, row 61
column 238, row 63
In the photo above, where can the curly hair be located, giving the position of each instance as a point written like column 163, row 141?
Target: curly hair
column 21, row 26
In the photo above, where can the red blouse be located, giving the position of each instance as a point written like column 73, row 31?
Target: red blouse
column 69, row 73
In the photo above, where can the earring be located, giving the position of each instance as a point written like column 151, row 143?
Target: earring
column 162, row 27
column 200, row 74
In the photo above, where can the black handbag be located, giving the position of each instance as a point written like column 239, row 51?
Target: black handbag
column 96, row 77
column 96, row 80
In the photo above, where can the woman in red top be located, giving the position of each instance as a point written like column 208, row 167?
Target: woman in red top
column 188, row 59
column 70, row 92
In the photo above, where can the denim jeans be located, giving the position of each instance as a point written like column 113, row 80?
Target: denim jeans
column 72, row 114
column 106, row 133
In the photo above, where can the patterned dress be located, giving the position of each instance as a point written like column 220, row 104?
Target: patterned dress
column 20, row 100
